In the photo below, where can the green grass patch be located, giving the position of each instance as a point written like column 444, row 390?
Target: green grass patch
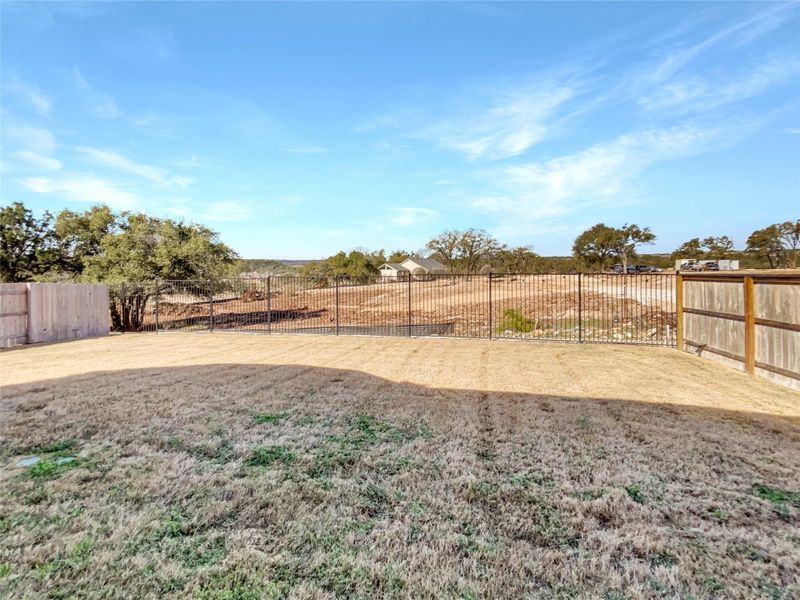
column 776, row 495
column 261, row 418
column 198, row 552
column 265, row 456
column 634, row 491
column 51, row 467
column 222, row 587
column 374, row 500
column 59, row 447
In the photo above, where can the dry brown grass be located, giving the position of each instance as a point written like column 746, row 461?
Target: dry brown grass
column 235, row 466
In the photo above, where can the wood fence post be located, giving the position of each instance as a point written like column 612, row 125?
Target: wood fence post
column 679, row 311
column 749, row 327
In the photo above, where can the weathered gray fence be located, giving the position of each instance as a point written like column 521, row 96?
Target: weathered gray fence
column 48, row 312
column 749, row 320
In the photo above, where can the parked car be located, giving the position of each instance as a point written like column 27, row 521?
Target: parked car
column 618, row 269
column 647, row 269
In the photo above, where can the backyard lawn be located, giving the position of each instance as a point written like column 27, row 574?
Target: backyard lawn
column 234, row 466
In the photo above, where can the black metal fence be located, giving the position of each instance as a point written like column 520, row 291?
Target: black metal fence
column 574, row 307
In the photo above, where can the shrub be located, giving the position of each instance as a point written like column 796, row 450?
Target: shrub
column 514, row 320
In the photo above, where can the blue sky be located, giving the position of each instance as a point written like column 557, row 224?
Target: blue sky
column 300, row 129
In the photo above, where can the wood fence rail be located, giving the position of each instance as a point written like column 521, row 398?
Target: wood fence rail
column 747, row 319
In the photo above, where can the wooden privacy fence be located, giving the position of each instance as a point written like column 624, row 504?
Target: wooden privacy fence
column 747, row 319
column 48, row 312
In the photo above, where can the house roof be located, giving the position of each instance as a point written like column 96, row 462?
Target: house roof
column 425, row 263
column 394, row 266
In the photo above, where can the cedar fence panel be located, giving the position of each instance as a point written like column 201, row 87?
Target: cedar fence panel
column 749, row 320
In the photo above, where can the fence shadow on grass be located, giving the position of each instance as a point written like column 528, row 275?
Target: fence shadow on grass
column 106, row 400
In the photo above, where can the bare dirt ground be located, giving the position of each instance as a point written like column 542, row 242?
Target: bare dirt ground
column 233, row 466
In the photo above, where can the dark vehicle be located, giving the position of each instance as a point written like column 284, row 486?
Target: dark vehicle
column 709, row 266
column 618, row 269
column 647, row 269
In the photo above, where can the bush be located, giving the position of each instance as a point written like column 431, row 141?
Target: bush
column 514, row 320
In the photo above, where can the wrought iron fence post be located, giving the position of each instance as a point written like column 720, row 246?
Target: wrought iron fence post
column 580, row 309
column 210, row 307
column 337, row 305
column 123, row 312
column 490, row 305
column 157, row 292
column 269, row 304
column 409, row 304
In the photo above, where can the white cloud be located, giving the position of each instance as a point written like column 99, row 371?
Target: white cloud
column 748, row 30
column 33, row 139
column 38, row 161
column 34, row 96
column 83, row 188
column 113, row 159
column 508, row 127
column 109, row 158
column 599, row 175
column 497, row 122
column 406, row 216
column 306, row 150
column 699, row 94
column 101, row 104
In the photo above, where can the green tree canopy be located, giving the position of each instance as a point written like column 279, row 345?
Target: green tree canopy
column 146, row 248
column 28, row 246
column 521, row 259
column 630, row 237
column 81, row 235
column 790, row 239
column 356, row 263
column 597, row 245
column 768, row 245
column 463, row 250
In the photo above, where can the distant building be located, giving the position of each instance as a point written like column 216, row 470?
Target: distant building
column 393, row 270
column 423, row 265
column 415, row 266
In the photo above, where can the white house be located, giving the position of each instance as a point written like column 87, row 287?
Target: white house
column 423, row 265
column 417, row 266
column 393, row 270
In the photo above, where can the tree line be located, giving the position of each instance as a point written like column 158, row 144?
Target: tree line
column 100, row 245
column 597, row 248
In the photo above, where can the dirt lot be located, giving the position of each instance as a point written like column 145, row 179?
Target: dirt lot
column 233, row 466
